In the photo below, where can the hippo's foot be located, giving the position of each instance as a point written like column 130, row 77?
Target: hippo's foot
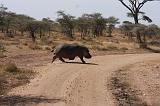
column 60, row 58
column 83, row 62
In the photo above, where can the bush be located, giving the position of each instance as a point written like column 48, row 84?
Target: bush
column 35, row 47
column 3, row 84
column 124, row 49
column 2, row 50
column 47, row 48
column 112, row 47
column 11, row 68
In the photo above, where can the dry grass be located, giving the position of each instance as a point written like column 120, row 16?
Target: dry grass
column 11, row 76
column 35, row 46
column 2, row 50
column 47, row 48
column 112, row 47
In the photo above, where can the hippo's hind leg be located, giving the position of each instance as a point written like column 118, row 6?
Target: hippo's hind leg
column 60, row 58
column 54, row 58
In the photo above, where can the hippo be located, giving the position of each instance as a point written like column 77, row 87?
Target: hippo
column 70, row 51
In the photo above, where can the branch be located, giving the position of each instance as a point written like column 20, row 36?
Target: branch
column 145, row 1
column 126, row 6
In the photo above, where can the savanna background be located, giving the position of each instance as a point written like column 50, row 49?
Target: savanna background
column 26, row 43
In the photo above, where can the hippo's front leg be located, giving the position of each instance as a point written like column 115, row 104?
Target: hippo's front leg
column 82, row 60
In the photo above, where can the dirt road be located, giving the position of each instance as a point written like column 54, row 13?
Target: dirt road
column 75, row 84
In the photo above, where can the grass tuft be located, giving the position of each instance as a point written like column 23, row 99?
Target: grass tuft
column 11, row 76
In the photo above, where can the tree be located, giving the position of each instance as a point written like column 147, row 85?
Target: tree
column 98, row 24
column 83, row 25
column 44, row 27
column 49, row 24
column 20, row 22
column 32, row 27
column 111, row 22
column 91, row 23
column 67, row 23
column 2, row 16
column 134, row 6
column 127, row 28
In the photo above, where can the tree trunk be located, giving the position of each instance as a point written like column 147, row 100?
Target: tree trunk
column 110, row 31
column 33, row 37
column 136, row 18
column 2, row 29
column 40, row 33
column 22, row 33
column 142, row 44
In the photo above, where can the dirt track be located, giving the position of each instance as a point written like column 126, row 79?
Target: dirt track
column 75, row 84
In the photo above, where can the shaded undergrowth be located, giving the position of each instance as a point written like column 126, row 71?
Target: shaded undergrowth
column 25, row 100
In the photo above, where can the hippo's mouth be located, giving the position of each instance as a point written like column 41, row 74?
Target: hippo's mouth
column 88, row 57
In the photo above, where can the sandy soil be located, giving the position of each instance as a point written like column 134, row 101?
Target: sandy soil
column 75, row 84
column 144, row 77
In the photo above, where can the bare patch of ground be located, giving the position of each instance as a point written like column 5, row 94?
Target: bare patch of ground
column 137, row 84
column 122, row 91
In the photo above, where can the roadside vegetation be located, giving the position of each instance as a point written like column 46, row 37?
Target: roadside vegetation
column 11, row 76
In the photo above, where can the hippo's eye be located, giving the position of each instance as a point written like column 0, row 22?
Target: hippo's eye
column 85, row 53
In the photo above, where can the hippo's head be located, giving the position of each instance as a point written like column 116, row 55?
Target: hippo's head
column 86, row 53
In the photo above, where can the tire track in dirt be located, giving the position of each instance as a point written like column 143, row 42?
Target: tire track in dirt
column 80, row 84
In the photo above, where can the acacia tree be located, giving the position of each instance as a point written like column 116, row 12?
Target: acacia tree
column 49, row 24
column 67, row 23
column 20, row 22
column 43, row 28
column 83, row 25
column 111, row 22
column 98, row 24
column 134, row 6
column 126, row 28
column 2, row 16
column 32, row 27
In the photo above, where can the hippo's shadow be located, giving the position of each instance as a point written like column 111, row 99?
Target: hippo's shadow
column 81, row 63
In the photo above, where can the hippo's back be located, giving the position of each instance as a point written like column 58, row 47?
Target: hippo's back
column 67, row 48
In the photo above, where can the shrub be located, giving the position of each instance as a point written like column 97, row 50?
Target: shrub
column 2, row 50
column 123, row 48
column 3, row 84
column 12, row 68
column 35, row 47
column 25, row 43
column 47, row 48
column 112, row 47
